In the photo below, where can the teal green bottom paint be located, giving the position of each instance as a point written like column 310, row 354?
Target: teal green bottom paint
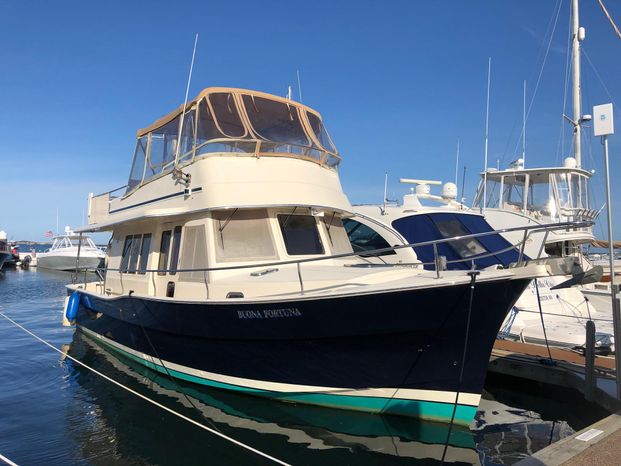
column 428, row 410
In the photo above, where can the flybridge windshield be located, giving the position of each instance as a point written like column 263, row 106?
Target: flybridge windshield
column 555, row 195
column 239, row 122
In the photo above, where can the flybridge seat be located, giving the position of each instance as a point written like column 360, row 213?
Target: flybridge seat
column 221, row 120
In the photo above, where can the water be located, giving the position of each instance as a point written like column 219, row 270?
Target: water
column 53, row 411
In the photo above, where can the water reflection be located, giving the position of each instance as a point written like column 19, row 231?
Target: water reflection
column 126, row 430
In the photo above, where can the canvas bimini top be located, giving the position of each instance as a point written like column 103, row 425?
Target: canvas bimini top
column 236, row 121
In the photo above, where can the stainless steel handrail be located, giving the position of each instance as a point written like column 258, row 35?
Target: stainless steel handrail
column 529, row 228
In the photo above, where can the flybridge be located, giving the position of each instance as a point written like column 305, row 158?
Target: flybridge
column 227, row 120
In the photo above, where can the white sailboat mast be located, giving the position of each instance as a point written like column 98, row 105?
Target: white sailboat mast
column 577, row 37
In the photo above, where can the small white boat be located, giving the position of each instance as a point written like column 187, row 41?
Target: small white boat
column 63, row 255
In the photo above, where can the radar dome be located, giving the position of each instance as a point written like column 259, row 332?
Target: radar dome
column 423, row 189
column 449, row 191
column 570, row 162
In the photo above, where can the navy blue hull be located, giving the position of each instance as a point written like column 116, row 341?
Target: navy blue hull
column 403, row 339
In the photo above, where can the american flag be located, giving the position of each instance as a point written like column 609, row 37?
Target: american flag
column 48, row 233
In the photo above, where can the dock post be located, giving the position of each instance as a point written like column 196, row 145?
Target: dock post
column 589, row 362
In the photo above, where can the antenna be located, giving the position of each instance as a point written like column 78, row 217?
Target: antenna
column 457, row 162
column 385, row 188
column 524, row 127
column 299, row 86
column 489, row 74
column 185, row 102
column 289, row 92
column 463, row 186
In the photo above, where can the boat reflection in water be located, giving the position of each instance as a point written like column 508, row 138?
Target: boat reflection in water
column 127, row 428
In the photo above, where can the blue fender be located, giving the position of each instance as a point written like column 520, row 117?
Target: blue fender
column 72, row 306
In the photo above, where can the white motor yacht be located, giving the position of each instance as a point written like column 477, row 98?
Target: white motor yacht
column 229, row 266
column 71, row 251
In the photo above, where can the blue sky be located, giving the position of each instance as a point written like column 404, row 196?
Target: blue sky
column 398, row 82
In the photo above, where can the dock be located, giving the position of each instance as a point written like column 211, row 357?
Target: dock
column 598, row 444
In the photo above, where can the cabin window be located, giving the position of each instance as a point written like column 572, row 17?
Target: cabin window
column 137, row 171
column 144, row 253
column 337, row 234
column 227, row 116
column 300, row 234
column 127, row 246
column 194, row 254
column 174, row 255
column 464, row 247
column 514, row 192
column 133, row 254
column 164, row 248
column 162, row 148
column 319, row 130
column 187, row 135
column 275, row 121
column 243, row 235
column 364, row 238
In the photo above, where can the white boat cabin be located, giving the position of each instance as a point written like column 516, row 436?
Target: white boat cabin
column 254, row 181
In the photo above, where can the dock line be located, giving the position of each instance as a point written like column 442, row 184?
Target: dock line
column 7, row 461
column 153, row 402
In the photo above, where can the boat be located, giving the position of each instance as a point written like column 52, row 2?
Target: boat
column 5, row 250
column 71, row 251
column 229, row 266
column 520, row 195
column 299, row 433
column 423, row 216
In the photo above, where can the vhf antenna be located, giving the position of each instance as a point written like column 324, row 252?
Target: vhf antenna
column 185, row 102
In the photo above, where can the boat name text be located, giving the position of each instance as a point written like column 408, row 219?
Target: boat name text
column 270, row 313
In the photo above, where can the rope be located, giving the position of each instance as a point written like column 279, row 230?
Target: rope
column 147, row 399
column 473, row 277
column 172, row 379
column 7, row 461
column 612, row 23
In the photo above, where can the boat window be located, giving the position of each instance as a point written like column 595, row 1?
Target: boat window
column 164, row 249
column 320, row 132
column 187, row 135
column 127, row 246
column 243, row 234
column 226, row 115
column 364, row 238
column 206, row 130
column 465, row 247
column 133, row 254
column 194, row 254
column 144, row 253
column 571, row 192
column 539, row 198
column 137, row 171
column 162, row 148
column 300, row 234
column 174, row 255
column 513, row 191
column 493, row 193
column 337, row 234
column 275, row 121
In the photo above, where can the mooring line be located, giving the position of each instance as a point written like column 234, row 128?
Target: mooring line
column 153, row 402
column 7, row 461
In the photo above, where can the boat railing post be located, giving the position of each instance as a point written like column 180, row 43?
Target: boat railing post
column 543, row 244
column 436, row 260
column 589, row 362
column 77, row 259
column 300, row 278
column 522, row 247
